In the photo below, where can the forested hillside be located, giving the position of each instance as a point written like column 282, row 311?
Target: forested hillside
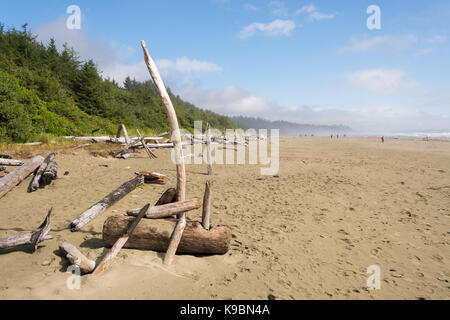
column 46, row 92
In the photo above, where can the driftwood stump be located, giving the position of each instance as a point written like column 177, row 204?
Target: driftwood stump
column 34, row 185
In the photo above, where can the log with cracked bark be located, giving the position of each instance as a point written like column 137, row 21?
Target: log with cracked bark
column 34, row 185
column 18, row 175
column 50, row 173
column 106, row 202
column 155, row 235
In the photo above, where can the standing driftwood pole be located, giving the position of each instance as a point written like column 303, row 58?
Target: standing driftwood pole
column 106, row 202
column 106, row 261
column 35, row 182
column 122, row 128
column 208, row 149
column 17, row 175
column 178, row 149
column 206, row 206
column 33, row 238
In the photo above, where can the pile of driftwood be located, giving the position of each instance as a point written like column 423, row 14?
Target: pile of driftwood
column 162, row 227
column 45, row 170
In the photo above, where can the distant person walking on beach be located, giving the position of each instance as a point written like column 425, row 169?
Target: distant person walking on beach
column 331, row 136
column 382, row 139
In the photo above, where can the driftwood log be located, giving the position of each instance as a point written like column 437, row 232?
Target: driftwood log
column 77, row 258
column 10, row 162
column 107, row 260
column 106, row 202
column 168, row 210
column 178, row 148
column 152, row 177
column 34, row 185
column 2, row 168
column 33, row 238
column 50, row 173
column 154, row 234
column 17, row 175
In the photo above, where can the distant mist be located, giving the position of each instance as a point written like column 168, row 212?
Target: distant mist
column 290, row 128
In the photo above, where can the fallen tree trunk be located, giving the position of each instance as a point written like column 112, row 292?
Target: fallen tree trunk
column 106, row 202
column 16, row 176
column 50, row 173
column 33, row 238
column 10, row 162
column 34, row 185
column 77, row 258
column 168, row 210
column 155, row 235
column 107, row 260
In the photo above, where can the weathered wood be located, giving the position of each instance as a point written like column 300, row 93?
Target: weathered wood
column 50, row 173
column 154, row 234
column 17, row 175
column 107, row 260
column 206, row 212
column 77, row 258
column 5, row 156
column 169, row 209
column 33, row 238
column 122, row 128
column 34, row 185
column 124, row 156
column 149, row 152
column 152, row 177
column 168, row 196
column 208, row 149
column 179, row 160
column 10, row 162
column 2, row 168
column 106, row 202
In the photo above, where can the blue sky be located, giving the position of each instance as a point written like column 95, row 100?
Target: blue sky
column 304, row 61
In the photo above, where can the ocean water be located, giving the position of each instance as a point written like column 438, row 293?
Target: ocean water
column 418, row 134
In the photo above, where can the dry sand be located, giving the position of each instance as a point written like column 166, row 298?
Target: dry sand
column 335, row 208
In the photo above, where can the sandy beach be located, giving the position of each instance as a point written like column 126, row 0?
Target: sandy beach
column 335, row 208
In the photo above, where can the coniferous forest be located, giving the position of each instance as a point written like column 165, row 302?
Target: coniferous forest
column 46, row 92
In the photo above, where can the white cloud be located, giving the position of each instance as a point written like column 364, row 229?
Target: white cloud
column 380, row 80
column 321, row 16
column 110, row 56
column 233, row 100
column 251, row 7
column 314, row 14
column 387, row 42
column 308, row 9
column 184, row 64
column 438, row 39
column 274, row 28
column 278, row 8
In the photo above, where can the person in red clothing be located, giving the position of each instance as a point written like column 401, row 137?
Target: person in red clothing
column 382, row 139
